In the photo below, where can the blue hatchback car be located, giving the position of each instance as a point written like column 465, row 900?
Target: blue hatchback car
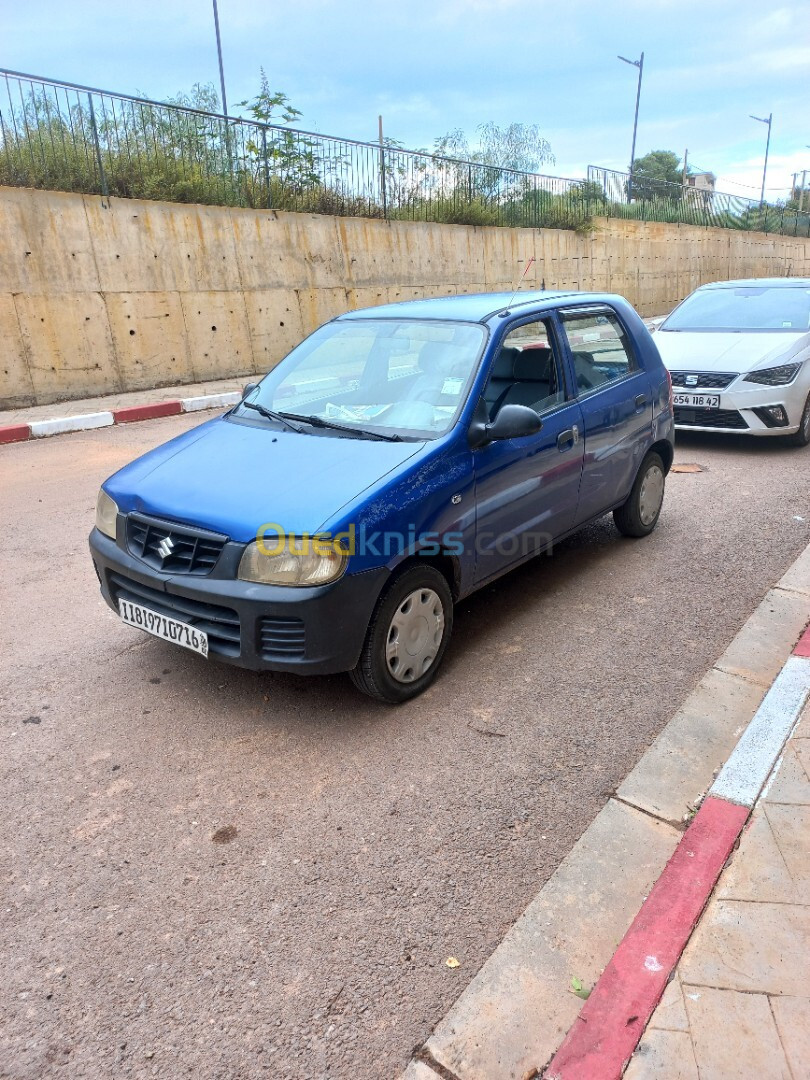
column 396, row 460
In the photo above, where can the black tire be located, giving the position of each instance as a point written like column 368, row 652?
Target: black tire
column 372, row 674
column 802, row 436
column 632, row 518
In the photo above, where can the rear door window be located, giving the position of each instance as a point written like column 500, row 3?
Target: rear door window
column 599, row 347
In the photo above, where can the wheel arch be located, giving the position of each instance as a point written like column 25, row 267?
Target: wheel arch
column 665, row 451
column 448, row 566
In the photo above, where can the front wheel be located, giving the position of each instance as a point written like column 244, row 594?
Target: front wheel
column 802, row 436
column 407, row 636
column 639, row 515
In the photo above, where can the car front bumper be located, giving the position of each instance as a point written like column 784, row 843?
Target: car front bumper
column 742, row 407
column 312, row 631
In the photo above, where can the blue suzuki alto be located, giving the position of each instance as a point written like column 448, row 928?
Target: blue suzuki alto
column 398, row 459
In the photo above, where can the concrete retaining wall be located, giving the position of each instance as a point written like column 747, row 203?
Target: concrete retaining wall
column 100, row 297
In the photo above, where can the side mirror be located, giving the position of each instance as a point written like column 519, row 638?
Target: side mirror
column 513, row 422
column 248, row 389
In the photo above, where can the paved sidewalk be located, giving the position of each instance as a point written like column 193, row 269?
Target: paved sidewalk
column 738, row 1006
column 111, row 402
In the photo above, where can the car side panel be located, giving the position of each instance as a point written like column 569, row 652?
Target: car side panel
column 618, row 433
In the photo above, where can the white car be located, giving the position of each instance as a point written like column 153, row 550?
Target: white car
column 739, row 356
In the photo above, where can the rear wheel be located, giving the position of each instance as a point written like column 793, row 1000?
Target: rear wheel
column 407, row 636
column 802, row 436
column 639, row 515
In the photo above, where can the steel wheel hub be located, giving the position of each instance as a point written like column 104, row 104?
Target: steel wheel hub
column 651, row 495
column 414, row 635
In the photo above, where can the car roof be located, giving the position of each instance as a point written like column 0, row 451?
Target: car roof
column 761, row 283
column 473, row 307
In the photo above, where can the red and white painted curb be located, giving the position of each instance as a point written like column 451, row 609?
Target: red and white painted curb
column 38, row 429
column 613, row 1019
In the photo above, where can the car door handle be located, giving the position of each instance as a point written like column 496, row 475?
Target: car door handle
column 641, row 401
column 566, row 439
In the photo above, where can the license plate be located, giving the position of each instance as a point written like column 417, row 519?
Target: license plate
column 173, row 630
column 698, row 401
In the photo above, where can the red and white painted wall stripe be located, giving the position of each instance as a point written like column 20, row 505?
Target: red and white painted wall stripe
column 38, row 429
column 612, row 1020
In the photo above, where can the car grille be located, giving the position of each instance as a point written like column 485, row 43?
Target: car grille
column 281, row 638
column 221, row 624
column 188, row 550
column 706, row 380
column 711, row 418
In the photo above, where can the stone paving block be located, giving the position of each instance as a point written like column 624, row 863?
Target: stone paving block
column 517, row 1010
column 790, row 826
column 670, row 1014
column 797, row 579
column 803, row 727
column 758, row 872
column 663, row 1055
column 789, row 783
column 734, row 1035
column 758, row 652
column 417, row 1070
column 749, row 946
column 681, row 763
column 792, row 1017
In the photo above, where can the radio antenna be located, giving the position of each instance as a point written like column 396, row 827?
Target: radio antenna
column 517, row 290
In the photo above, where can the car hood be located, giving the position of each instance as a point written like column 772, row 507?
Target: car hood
column 682, row 350
column 232, row 477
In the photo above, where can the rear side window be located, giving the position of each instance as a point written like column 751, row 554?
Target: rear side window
column 600, row 348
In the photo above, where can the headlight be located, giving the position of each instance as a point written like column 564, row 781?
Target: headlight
column 307, row 560
column 106, row 513
column 774, row 376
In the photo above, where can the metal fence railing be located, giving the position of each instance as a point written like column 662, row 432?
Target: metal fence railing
column 67, row 137
column 76, row 138
column 645, row 199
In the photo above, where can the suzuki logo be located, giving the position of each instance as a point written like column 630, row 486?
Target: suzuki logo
column 165, row 547
column 691, row 380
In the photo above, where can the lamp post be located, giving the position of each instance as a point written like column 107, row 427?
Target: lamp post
column 219, row 57
column 763, row 120
column 640, row 65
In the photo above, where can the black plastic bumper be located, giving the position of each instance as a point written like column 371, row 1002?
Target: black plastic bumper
column 312, row 631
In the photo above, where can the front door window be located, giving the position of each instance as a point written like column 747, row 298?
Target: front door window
column 526, row 371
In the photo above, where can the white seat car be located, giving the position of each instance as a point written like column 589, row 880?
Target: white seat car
column 739, row 356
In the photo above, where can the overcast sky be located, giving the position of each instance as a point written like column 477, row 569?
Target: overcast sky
column 432, row 65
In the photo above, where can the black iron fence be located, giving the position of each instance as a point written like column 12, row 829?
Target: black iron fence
column 76, row 138
column 67, row 137
column 645, row 199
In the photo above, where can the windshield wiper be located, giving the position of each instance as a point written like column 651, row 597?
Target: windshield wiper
column 270, row 414
column 319, row 421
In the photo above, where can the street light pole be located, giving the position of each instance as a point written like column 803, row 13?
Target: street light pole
column 640, row 65
column 767, row 121
column 219, row 57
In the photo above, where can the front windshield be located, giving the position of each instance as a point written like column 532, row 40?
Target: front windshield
column 746, row 307
column 402, row 377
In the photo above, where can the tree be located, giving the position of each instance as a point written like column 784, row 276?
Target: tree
column 519, row 147
column 655, row 173
column 267, row 103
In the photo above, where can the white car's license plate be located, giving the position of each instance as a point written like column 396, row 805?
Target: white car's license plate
column 173, row 630
column 698, row 401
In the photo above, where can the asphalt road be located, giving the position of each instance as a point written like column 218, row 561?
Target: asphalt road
column 219, row 874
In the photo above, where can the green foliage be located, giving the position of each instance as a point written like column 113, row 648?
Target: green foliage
column 266, row 104
column 189, row 153
column 519, row 147
column 661, row 165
